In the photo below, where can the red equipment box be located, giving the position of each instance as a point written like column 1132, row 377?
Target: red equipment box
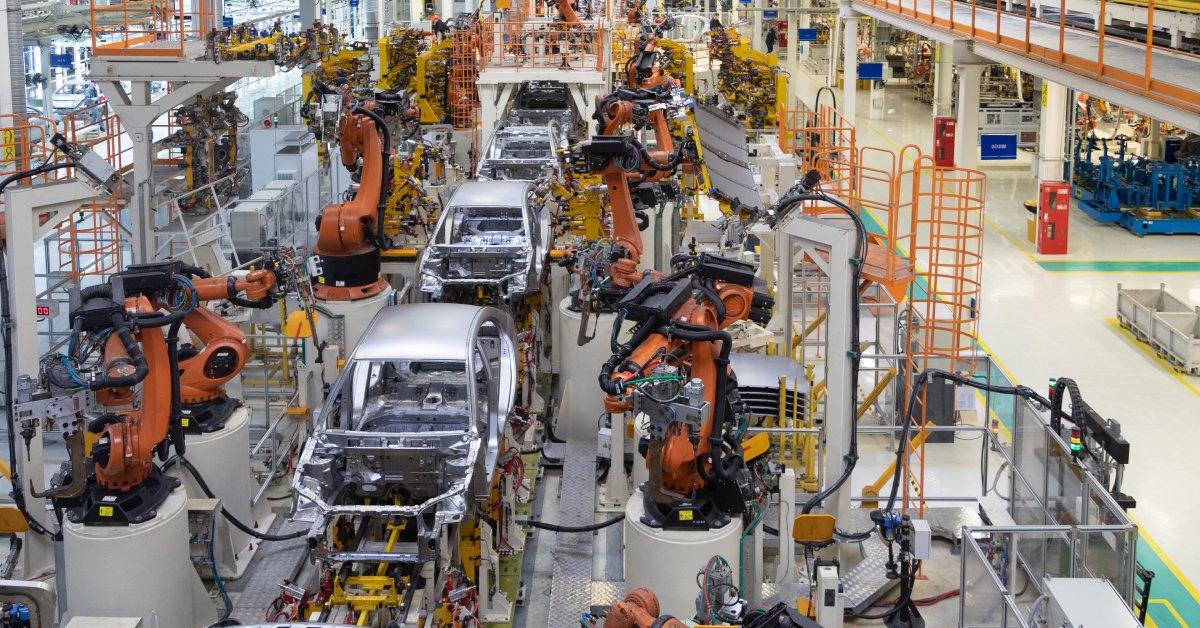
column 944, row 130
column 1054, row 207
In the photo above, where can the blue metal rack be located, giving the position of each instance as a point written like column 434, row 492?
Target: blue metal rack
column 1142, row 195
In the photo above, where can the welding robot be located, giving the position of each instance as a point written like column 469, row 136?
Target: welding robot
column 636, row 179
column 346, row 263
column 673, row 377
column 123, row 514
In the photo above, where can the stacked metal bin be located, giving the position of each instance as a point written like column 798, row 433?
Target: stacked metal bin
column 1164, row 322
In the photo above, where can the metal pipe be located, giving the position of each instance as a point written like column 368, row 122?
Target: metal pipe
column 16, row 58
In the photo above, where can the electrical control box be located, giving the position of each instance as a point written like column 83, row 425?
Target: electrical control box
column 829, row 598
column 1084, row 603
column 604, row 443
column 202, row 519
column 922, row 539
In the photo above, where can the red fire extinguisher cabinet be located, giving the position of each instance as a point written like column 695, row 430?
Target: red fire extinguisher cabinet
column 944, row 130
column 1054, row 206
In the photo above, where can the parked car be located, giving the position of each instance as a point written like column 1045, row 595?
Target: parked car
column 521, row 153
column 412, row 427
column 74, row 96
column 492, row 234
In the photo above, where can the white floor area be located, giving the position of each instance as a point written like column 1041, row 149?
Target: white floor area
column 1042, row 324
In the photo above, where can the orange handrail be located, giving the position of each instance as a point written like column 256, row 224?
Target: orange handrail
column 1140, row 81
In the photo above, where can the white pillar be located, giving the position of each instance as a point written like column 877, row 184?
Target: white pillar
column 308, row 12
column 48, row 88
column 1053, row 132
column 793, row 53
column 835, row 37
column 1154, row 145
column 943, row 82
column 7, row 80
column 756, row 35
column 966, row 143
column 849, row 63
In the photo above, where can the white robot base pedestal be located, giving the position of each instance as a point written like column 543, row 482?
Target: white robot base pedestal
column 582, row 400
column 666, row 561
column 142, row 570
column 640, row 474
column 223, row 460
column 352, row 317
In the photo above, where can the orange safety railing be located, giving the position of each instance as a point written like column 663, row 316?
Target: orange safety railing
column 943, row 310
column 546, row 45
column 1021, row 32
column 148, row 27
column 464, row 74
column 867, row 179
column 90, row 244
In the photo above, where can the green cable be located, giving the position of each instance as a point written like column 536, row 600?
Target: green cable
column 652, row 378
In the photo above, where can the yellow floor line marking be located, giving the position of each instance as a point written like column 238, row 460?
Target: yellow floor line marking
column 1164, row 558
column 1170, row 608
column 1150, row 352
column 1012, row 378
column 1013, row 241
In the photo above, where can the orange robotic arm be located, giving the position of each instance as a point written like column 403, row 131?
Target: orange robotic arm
column 674, row 372
column 349, row 234
column 680, row 458
column 566, row 10
column 639, row 609
column 124, row 454
column 203, row 373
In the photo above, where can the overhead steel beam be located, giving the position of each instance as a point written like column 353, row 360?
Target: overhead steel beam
column 1141, row 104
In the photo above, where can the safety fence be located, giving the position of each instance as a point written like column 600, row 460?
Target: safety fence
column 90, row 244
column 925, row 226
column 141, row 28
column 1078, row 50
column 1065, row 523
column 544, row 45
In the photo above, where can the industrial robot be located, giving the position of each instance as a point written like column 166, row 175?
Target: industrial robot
column 122, row 511
column 118, row 328
column 675, row 371
column 346, row 261
column 635, row 178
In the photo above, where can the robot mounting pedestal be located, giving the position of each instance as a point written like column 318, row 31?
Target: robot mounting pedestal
column 582, row 400
column 665, row 561
column 223, row 460
column 142, row 570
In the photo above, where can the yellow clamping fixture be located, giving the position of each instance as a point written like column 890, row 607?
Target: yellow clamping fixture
column 582, row 205
column 814, row 528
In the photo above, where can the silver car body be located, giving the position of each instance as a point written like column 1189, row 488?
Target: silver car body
column 521, row 152
column 491, row 233
column 546, row 102
column 416, row 416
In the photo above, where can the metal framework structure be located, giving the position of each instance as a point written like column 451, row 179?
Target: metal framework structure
column 943, row 309
column 1152, row 74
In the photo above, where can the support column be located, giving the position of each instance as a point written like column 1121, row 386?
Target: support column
column 849, row 62
column 943, row 82
column 48, row 88
column 756, row 35
column 308, row 11
column 1052, row 133
column 12, row 78
column 1154, row 144
column 793, row 53
column 966, row 142
column 834, row 46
